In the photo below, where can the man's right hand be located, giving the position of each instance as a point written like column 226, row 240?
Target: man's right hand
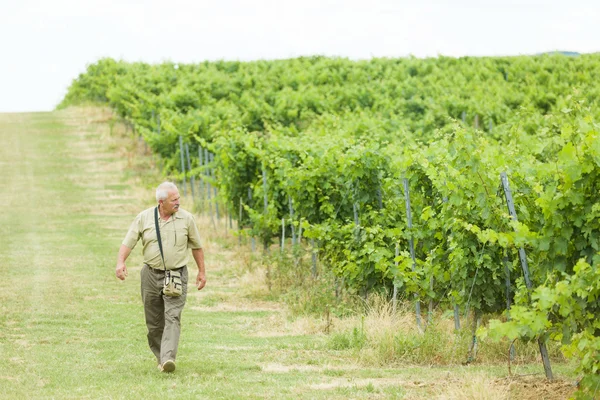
column 121, row 271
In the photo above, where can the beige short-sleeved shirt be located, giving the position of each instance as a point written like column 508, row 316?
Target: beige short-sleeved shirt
column 178, row 234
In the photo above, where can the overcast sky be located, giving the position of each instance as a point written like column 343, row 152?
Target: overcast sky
column 44, row 45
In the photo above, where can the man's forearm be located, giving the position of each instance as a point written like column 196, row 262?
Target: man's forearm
column 199, row 258
column 124, row 252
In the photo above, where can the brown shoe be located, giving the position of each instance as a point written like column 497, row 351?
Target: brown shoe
column 168, row 366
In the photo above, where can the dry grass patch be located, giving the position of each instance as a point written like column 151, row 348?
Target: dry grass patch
column 85, row 114
column 284, row 369
column 536, row 387
column 479, row 386
column 246, row 306
column 472, row 387
column 326, row 368
column 379, row 320
column 282, row 324
column 253, row 283
column 379, row 336
column 373, row 382
column 233, row 348
column 231, row 287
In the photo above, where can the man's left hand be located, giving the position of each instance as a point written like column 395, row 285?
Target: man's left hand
column 200, row 281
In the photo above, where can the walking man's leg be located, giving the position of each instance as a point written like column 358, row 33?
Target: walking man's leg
column 154, row 310
column 173, row 306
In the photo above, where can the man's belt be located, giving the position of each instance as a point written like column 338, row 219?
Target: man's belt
column 157, row 270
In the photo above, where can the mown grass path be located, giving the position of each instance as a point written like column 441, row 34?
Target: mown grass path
column 70, row 330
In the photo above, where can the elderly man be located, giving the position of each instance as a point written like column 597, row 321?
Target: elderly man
column 178, row 233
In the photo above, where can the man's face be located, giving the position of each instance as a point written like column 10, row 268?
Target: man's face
column 171, row 204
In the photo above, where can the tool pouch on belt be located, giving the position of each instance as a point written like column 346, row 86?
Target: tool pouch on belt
column 173, row 284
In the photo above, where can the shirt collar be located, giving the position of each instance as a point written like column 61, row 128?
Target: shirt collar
column 176, row 215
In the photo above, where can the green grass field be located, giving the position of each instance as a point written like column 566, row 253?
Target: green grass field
column 70, row 330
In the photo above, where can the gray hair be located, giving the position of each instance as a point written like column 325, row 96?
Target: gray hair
column 162, row 191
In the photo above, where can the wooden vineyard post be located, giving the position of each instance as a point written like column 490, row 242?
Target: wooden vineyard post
column 314, row 251
column 291, row 203
column 214, row 176
column 395, row 296
column 282, row 235
column 411, row 245
column 456, row 310
column 507, row 278
column 201, row 181
column 265, row 211
column 430, row 309
column 355, row 207
column 182, row 164
column 208, row 187
column 298, row 247
column 189, row 166
column 252, row 238
column 474, row 343
column 239, row 224
column 226, row 211
column 265, row 205
column 265, row 197
column 525, row 267
column 456, row 317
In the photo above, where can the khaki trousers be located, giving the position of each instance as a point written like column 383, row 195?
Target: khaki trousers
column 163, row 313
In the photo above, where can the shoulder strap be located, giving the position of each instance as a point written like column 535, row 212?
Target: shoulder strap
column 158, row 236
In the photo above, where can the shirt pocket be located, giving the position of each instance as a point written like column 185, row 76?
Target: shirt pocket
column 181, row 237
